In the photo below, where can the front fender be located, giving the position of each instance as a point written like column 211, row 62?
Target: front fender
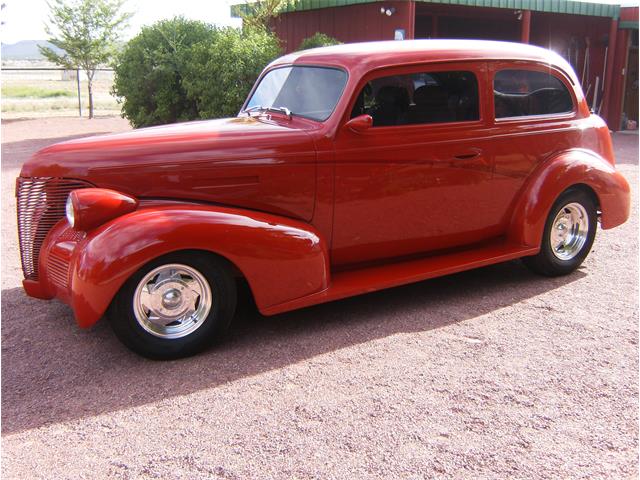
column 573, row 167
column 281, row 259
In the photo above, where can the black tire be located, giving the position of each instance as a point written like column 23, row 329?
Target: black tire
column 547, row 262
column 222, row 289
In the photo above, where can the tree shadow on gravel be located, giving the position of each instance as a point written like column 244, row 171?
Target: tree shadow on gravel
column 53, row 372
column 14, row 154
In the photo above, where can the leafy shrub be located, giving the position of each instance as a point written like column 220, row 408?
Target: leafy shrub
column 179, row 69
column 150, row 71
column 221, row 72
column 318, row 40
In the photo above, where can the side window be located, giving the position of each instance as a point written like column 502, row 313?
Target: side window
column 519, row 93
column 417, row 98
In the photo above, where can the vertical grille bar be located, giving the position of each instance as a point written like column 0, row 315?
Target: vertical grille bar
column 41, row 203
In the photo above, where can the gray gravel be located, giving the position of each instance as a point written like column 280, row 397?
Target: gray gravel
column 493, row 373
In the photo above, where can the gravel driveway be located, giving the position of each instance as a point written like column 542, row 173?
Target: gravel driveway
column 492, row 373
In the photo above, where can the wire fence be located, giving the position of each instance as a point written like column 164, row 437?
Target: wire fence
column 51, row 91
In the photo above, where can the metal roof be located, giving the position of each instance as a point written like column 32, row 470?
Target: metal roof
column 572, row 7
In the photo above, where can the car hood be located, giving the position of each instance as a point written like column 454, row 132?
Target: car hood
column 201, row 143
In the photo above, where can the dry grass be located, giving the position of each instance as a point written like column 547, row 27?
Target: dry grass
column 41, row 94
column 29, row 91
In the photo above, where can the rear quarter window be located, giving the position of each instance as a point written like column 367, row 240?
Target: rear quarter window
column 522, row 93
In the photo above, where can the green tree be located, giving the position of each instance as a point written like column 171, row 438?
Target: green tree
column 258, row 15
column 87, row 31
column 150, row 71
column 221, row 72
column 318, row 40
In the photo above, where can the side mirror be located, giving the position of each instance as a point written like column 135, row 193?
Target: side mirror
column 359, row 124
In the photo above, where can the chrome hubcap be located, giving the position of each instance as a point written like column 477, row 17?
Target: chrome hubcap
column 569, row 231
column 172, row 301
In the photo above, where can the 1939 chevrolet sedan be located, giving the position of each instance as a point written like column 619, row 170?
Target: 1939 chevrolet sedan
column 350, row 169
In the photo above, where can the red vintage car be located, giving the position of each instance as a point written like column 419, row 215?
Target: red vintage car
column 350, row 169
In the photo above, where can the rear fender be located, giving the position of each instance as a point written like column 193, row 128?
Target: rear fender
column 282, row 259
column 573, row 167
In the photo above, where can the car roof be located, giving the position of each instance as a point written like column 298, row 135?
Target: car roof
column 373, row 55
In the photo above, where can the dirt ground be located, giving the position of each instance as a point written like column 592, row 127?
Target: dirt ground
column 493, row 373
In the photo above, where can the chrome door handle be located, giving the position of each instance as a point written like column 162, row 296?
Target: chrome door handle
column 467, row 156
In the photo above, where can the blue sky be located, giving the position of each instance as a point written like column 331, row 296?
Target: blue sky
column 24, row 19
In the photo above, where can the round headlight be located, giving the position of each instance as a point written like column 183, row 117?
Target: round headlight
column 88, row 208
column 69, row 211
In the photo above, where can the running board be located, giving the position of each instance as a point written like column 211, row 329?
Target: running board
column 370, row 279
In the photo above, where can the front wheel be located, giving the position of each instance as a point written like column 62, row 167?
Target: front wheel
column 568, row 235
column 174, row 306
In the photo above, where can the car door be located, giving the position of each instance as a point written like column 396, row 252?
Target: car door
column 420, row 179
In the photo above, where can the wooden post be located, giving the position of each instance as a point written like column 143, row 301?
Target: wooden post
column 411, row 31
column 525, row 28
column 606, row 97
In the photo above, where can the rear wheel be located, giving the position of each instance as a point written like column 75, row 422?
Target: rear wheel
column 174, row 306
column 568, row 235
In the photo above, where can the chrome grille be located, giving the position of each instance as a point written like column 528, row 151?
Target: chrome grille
column 41, row 203
column 58, row 270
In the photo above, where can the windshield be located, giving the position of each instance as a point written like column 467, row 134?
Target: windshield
column 310, row 92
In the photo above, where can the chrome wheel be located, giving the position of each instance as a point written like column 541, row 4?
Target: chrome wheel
column 172, row 301
column 569, row 231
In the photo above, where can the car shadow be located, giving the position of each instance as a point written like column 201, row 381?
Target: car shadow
column 54, row 372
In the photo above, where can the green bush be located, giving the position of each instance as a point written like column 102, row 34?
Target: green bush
column 179, row 69
column 318, row 40
column 150, row 70
column 221, row 72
